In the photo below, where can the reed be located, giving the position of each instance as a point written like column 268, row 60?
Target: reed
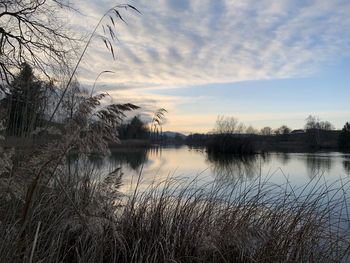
column 80, row 216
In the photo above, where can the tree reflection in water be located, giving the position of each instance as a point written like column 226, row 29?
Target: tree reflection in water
column 230, row 168
column 118, row 158
column 318, row 165
column 133, row 158
column 346, row 164
column 85, row 165
column 283, row 157
column 97, row 160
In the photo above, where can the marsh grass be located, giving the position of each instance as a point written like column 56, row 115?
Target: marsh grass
column 51, row 213
column 76, row 218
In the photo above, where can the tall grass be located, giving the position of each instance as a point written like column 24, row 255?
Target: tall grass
column 51, row 213
column 76, row 218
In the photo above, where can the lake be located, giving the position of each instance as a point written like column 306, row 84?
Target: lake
column 305, row 176
column 157, row 164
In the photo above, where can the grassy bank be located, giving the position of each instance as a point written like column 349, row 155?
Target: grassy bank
column 76, row 218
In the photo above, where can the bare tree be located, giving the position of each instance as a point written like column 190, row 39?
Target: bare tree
column 74, row 96
column 312, row 122
column 251, row 130
column 315, row 130
column 31, row 32
column 226, row 125
column 266, row 131
column 240, row 128
column 326, row 126
column 283, row 130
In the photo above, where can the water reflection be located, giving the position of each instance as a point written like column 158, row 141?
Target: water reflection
column 119, row 158
column 224, row 168
column 132, row 158
column 283, row 157
column 346, row 165
column 73, row 161
column 98, row 161
column 83, row 166
column 230, row 168
column 318, row 164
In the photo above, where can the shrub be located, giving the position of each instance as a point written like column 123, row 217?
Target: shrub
column 229, row 144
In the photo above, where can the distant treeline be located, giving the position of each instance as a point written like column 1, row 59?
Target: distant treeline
column 301, row 141
column 27, row 106
column 135, row 129
column 229, row 137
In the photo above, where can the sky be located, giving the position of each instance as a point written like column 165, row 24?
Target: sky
column 266, row 63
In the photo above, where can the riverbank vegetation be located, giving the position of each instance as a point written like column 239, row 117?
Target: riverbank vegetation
column 72, row 217
column 49, row 212
column 52, row 213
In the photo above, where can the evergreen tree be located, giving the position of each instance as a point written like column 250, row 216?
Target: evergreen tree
column 25, row 102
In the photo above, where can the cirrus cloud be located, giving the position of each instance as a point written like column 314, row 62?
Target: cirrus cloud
column 179, row 43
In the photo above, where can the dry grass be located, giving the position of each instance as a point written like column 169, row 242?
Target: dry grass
column 50, row 213
column 77, row 219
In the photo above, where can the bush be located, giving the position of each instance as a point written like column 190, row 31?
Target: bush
column 228, row 144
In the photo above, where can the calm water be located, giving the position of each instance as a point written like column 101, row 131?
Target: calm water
column 156, row 165
column 304, row 172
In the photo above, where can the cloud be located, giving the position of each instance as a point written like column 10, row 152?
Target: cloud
column 153, row 54
column 174, row 55
column 179, row 43
column 178, row 5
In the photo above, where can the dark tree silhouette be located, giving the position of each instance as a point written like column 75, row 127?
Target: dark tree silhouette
column 31, row 32
column 73, row 97
column 135, row 129
column 266, row 131
column 283, row 130
column 315, row 130
column 314, row 123
column 25, row 103
column 344, row 137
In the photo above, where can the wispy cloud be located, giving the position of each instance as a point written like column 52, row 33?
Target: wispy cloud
column 195, row 42
column 179, row 43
